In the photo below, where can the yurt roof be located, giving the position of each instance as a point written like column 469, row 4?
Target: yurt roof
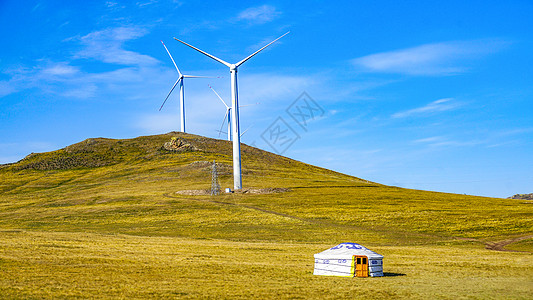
column 347, row 250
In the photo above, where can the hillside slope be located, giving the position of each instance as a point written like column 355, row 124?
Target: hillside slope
column 108, row 209
column 133, row 182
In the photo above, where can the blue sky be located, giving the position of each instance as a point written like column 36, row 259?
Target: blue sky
column 433, row 95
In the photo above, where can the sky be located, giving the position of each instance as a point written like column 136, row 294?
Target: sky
column 431, row 95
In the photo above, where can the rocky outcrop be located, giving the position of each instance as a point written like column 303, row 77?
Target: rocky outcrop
column 178, row 145
column 522, row 196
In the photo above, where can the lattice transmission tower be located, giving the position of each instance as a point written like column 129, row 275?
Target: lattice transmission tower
column 215, row 187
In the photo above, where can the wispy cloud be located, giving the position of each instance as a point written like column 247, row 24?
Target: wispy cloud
column 511, row 136
column 60, row 69
column 258, row 15
column 429, row 59
column 144, row 3
column 36, row 7
column 435, row 106
column 441, row 141
column 6, row 88
column 254, row 47
column 108, row 46
column 83, row 91
column 492, row 139
column 71, row 81
column 432, row 139
column 251, row 16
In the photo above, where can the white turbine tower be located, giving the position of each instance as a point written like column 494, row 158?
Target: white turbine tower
column 237, row 178
column 182, row 92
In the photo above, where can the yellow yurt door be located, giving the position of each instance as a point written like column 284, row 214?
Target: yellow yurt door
column 361, row 266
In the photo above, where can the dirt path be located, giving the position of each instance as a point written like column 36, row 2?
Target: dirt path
column 249, row 207
column 496, row 246
column 500, row 245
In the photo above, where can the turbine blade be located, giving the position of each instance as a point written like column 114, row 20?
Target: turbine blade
column 242, row 61
column 173, row 87
column 223, row 121
column 249, row 104
column 194, row 76
column 227, row 107
column 246, row 129
column 171, row 58
column 205, row 53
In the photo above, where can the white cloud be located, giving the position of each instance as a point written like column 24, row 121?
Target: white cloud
column 67, row 80
column 20, row 79
column 252, row 48
column 60, row 69
column 428, row 59
column 259, row 15
column 107, row 46
column 441, row 141
column 252, row 16
column 83, row 91
column 432, row 139
column 141, row 4
column 6, row 88
column 514, row 131
column 435, row 106
column 36, row 7
column 64, row 79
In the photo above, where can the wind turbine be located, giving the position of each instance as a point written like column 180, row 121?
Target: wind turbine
column 227, row 115
column 182, row 93
column 237, row 178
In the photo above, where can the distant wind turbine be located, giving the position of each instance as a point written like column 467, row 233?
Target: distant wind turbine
column 182, row 92
column 237, row 178
column 227, row 115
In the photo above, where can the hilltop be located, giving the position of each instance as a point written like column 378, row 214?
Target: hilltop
column 109, row 209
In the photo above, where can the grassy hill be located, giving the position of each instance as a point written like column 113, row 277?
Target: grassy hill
column 101, row 218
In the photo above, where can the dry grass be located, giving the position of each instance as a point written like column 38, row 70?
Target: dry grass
column 64, row 265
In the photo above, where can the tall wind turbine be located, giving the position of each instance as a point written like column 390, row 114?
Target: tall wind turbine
column 182, row 93
column 237, row 178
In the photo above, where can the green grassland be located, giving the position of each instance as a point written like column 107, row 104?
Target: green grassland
column 101, row 219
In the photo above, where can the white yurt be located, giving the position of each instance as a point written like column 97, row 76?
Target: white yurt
column 349, row 260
